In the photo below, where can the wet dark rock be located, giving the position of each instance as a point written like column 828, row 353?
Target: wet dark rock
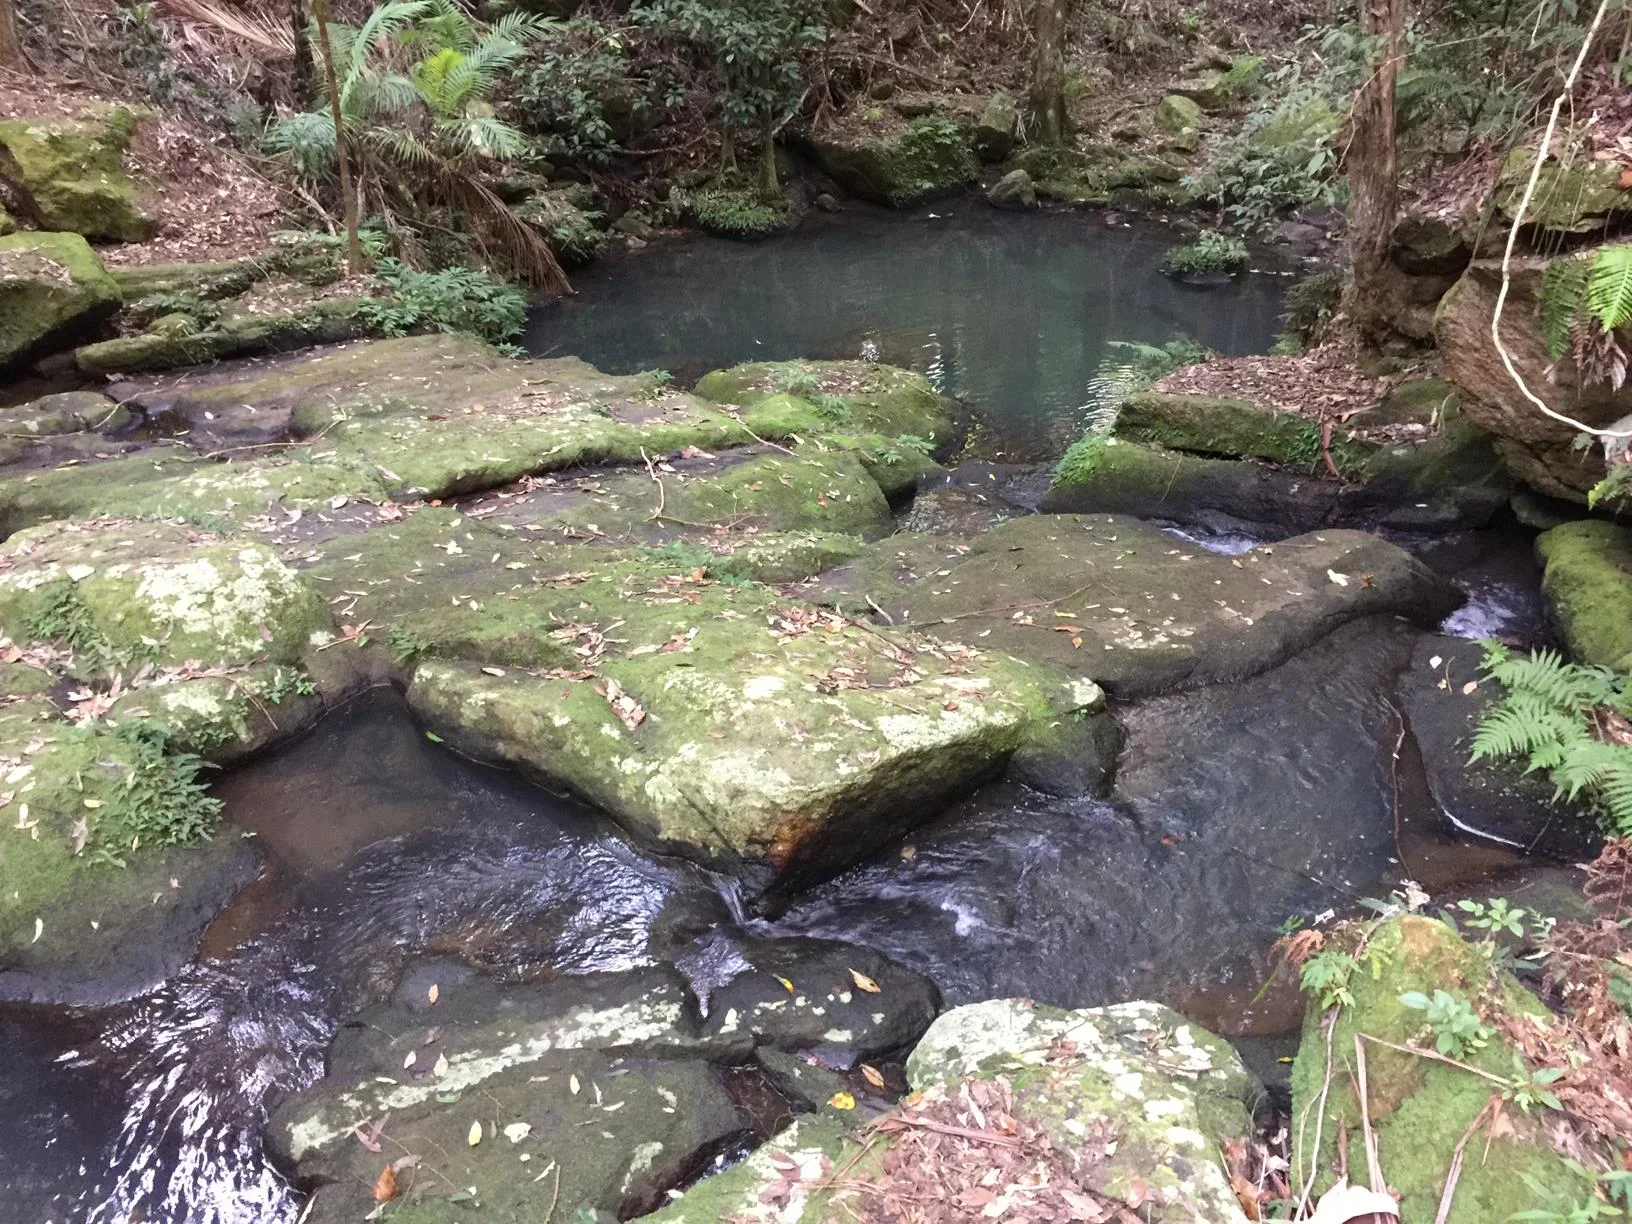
column 1235, row 806
column 1496, row 800
column 605, row 1076
column 827, row 204
column 847, row 1004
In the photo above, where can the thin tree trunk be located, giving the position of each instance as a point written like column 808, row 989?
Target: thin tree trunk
column 348, row 198
column 298, row 21
column 11, row 49
column 769, row 182
column 1047, row 102
column 1374, row 174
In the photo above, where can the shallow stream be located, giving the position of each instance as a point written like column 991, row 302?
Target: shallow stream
column 1236, row 808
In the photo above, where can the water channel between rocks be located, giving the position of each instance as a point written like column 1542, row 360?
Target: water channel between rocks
column 1236, row 807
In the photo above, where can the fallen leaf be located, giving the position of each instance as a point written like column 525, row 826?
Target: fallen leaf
column 1345, row 1204
column 873, row 1075
column 864, row 982
column 1340, row 579
column 573, row 1084
column 1469, row 687
column 786, row 985
column 440, row 1067
column 842, row 1100
column 475, row 1135
column 517, row 1131
column 433, row 992
column 385, row 1185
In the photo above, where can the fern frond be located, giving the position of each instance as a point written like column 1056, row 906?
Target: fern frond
column 1563, row 288
column 1609, row 286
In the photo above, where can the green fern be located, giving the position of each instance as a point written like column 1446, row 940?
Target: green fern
column 1563, row 290
column 1609, row 287
column 1547, row 717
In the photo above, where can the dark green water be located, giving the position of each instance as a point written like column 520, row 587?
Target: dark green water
column 1015, row 314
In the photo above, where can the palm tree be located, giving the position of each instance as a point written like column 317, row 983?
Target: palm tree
column 410, row 101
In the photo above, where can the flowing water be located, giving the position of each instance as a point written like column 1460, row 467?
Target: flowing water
column 1236, row 808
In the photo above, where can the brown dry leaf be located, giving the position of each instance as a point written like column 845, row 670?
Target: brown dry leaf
column 629, row 711
column 431, row 994
column 863, row 982
column 385, row 1185
column 872, row 1075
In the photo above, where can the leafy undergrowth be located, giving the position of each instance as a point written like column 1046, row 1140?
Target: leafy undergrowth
column 1568, row 719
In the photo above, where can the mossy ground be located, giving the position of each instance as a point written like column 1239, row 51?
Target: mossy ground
column 1419, row 1107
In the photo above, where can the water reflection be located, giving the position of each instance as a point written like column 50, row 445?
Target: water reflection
column 1014, row 314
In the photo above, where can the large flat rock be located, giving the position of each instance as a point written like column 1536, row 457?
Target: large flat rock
column 1138, row 608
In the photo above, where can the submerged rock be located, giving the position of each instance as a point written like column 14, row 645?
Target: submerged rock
column 1587, row 584
column 69, row 174
column 1138, row 608
column 1420, row 1109
column 53, row 290
column 593, row 1092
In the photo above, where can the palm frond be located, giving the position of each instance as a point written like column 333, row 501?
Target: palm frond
column 380, row 93
column 522, row 28
column 307, row 139
column 403, row 148
column 523, row 244
column 485, row 136
column 383, row 25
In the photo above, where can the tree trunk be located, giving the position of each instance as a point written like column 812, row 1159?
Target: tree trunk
column 1374, row 175
column 770, row 185
column 348, row 198
column 298, row 21
column 11, row 49
column 1047, row 102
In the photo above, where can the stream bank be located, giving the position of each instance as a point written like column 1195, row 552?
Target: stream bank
column 850, row 712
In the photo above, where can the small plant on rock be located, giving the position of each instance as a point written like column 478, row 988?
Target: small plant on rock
column 1458, row 1031
column 1211, row 252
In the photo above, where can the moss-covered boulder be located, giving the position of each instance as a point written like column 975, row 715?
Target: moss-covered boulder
column 176, row 340
column 53, row 290
column 1420, row 1108
column 711, row 717
column 1538, row 450
column 1233, row 429
column 1449, row 481
column 1587, row 584
column 105, row 886
column 1140, row 609
column 1168, row 1094
column 125, row 591
column 69, row 174
column 927, row 157
column 1176, row 114
column 1573, row 195
column 846, row 397
column 591, row 1093
column 1134, row 1101
column 997, row 130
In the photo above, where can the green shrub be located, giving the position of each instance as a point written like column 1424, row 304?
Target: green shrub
column 452, row 300
column 1285, row 156
column 734, row 213
column 1211, row 251
column 571, row 88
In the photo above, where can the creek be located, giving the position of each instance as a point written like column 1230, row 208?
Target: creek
column 1236, row 808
